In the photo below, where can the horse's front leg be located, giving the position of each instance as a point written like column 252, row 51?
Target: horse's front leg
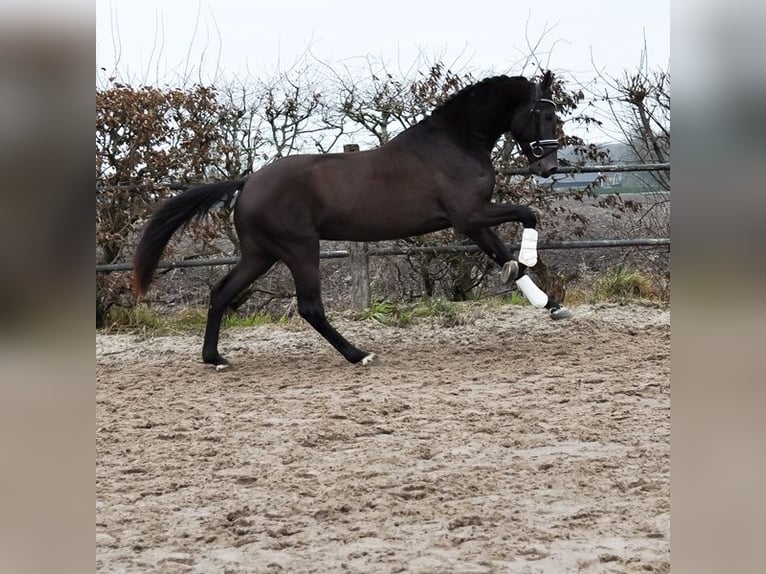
column 490, row 243
column 491, row 214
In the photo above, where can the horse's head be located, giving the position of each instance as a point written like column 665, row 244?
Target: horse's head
column 535, row 126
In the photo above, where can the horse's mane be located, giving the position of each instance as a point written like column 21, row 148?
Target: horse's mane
column 456, row 103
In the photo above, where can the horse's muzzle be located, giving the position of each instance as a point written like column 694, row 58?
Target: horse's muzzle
column 545, row 166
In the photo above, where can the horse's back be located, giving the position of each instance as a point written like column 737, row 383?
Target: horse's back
column 404, row 188
column 369, row 195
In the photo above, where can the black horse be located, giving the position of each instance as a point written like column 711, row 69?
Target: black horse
column 434, row 175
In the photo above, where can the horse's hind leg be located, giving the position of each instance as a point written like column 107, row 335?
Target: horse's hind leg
column 247, row 270
column 303, row 263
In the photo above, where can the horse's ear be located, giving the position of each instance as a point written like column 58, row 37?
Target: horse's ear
column 547, row 80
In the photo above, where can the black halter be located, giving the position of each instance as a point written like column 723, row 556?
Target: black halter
column 539, row 148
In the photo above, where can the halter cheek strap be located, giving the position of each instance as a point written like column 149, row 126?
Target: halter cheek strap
column 540, row 148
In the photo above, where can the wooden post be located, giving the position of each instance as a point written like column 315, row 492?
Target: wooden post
column 360, row 264
column 360, row 275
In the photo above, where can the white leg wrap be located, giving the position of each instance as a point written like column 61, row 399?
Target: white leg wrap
column 532, row 292
column 528, row 252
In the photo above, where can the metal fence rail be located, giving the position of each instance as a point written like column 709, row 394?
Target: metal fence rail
column 617, row 168
column 359, row 254
column 390, row 251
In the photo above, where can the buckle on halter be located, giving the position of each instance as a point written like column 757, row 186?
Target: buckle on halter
column 538, row 147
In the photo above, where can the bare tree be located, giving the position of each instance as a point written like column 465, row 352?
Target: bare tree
column 638, row 104
column 296, row 115
column 635, row 108
column 381, row 104
column 146, row 139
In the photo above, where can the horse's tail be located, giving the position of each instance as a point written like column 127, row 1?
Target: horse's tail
column 171, row 215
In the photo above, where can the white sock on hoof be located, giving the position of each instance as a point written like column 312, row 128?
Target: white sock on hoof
column 528, row 251
column 532, row 292
column 369, row 359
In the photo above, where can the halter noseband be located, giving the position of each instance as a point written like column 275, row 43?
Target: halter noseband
column 540, row 148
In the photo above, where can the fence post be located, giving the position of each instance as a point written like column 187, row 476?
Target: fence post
column 359, row 261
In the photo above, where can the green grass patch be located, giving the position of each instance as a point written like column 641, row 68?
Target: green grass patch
column 134, row 319
column 578, row 295
column 517, row 298
column 251, row 320
column 445, row 313
column 387, row 313
column 142, row 319
column 619, row 284
column 505, row 298
column 623, row 284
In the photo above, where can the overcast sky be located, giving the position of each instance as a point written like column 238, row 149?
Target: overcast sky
column 164, row 41
column 153, row 40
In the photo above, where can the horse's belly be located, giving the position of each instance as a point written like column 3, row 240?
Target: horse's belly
column 381, row 225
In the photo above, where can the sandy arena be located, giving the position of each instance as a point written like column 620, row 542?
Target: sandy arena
column 511, row 443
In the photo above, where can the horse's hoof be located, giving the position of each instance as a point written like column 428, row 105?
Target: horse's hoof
column 218, row 363
column 560, row 313
column 510, row 271
column 371, row 359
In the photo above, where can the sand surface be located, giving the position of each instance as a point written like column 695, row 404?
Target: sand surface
column 510, row 443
